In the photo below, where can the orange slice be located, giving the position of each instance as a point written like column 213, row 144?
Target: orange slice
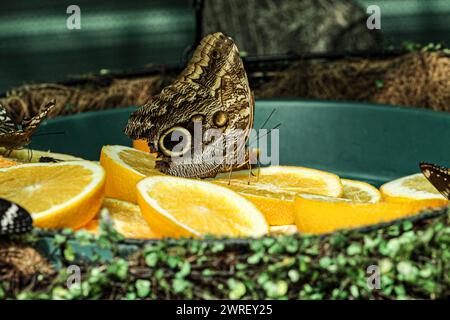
column 65, row 194
column 318, row 214
column 413, row 187
column 127, row 220
column 273, row 190
column 4, row 162
column 286, row 230
column 178, row 207
column 141, row 145
column 359, row 191
column 29, row 155
column 125, row 167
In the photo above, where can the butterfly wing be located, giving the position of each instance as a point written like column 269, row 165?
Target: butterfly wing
column 438, row 176
column 217, row 66
column 15, row 138
column 212, row 90
column 29, row 126
column 6, row 123
column 14, row 219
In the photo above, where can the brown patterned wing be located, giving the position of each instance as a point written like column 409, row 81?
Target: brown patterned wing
column 6, row 123
column 18, row 138
column 33, row 123
column 212, row 92
column 438, row 176
column 13, row 140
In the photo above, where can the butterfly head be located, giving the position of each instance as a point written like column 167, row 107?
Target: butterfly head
column 209, row 102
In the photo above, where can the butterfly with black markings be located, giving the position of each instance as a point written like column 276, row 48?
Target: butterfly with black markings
column 438, row 176
column 14, row 136
column 14, row 219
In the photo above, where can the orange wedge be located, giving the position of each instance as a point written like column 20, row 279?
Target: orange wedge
column 127, row 220
column 409, row 188
column 29, row 155
column 318, row 214
column 286, row 230
column 359, row 191
column 273, row 190
column 58, row 195
column 4, row 162
column 125, row 167
column 177, row 207
column 141, row 145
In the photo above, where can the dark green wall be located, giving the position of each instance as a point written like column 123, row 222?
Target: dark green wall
column 420, row 21
column 36, row 46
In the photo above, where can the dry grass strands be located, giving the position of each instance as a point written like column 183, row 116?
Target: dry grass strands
column 419, row 79
column 21, row 262
column 24, row 101
column 416, row 79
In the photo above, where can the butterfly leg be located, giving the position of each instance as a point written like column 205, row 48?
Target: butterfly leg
column 229, row 174
column 258, row 164
column 30, row 154
column 250, row 173
column 254, row 154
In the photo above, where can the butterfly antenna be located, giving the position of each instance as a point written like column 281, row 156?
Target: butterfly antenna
column 276, row 127
column 268, row 118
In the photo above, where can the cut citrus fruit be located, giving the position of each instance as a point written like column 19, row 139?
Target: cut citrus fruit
column 141, row 144
column 359, row 191
column 319, row 214
column 273, row 189
column 125, row 167
column 286, row 230
column 31, row 155
column 4, row 162
column 127, row 220
column 178, row 207
column 65, row 194
column 413, row 187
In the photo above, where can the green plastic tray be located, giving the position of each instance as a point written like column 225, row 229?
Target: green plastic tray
column 375, row 143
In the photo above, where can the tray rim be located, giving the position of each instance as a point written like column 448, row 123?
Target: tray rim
column 286, row 101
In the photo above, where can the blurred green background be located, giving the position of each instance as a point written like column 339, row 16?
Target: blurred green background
column 36, row 46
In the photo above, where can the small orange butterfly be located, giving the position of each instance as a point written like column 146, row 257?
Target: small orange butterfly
column 438, row 176
column 14, row 136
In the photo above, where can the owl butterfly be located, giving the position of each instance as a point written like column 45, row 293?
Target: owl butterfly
column 438, row 176
column 13, row 136
column 14, row 219
column 211, row 93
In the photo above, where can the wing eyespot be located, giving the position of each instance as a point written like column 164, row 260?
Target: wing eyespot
column 170, row 145
column 220, row 118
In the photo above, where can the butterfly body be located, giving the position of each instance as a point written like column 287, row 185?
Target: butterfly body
column 438, row 176
column 211, row 93
column 13, row 136
column 14, row 219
